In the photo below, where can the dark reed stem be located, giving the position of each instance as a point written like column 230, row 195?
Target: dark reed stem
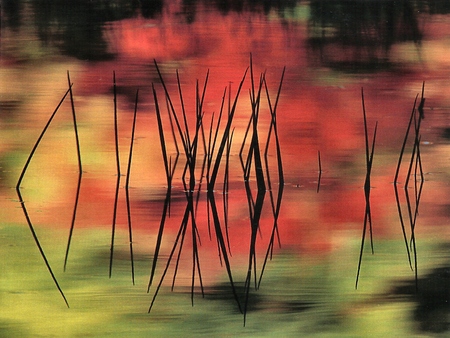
column 397, row 198
column 171, row 126
column 183, row 140
column 416, row 173
column 225, row 190
column 411, row 163
column 159, row 239
column 212, row 181
column 257, row 206
column 225, row 137
column 361, row 250
column 277, row 143
column 222, row 246
column 22, row 202
column 413, row 237
column 367, row 215
column 180, row 231
column 416, row 150
column 183, row 236
column 396, row 182
column 320, row 171
column 116, row 197
column 208, row 169
column 80, row 172
column 190, row 148
column 275, row 209
column 195, row 258
column 369, row 168
column 127, row 187
column 245, row 167
column 404, row 142
column 419, row 190
column 369, row 187
column 422, row 104
column 219, row 120
column 182, row 107
column 169, row 175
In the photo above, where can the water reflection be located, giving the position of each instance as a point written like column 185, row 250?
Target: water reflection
column 357, row 36
column 387, row 49
column 432, row 308
column 12, row 13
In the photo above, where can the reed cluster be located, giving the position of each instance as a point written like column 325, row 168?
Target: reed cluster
column 214, row 139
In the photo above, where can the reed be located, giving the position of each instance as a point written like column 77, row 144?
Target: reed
column 80, row 172
column 255, row 205
column 211, row 197
column 22, row 202
column 320, row 171
column 368, row 214
column 127, row 187
column 116, row 196
column 190, row 147
column 169, row 183
column 275, row 206
column 216, row 145
column 417, row 115
column 397, row 198
column 226, row 188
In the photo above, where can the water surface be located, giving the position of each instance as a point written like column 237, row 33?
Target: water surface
column 331, row 50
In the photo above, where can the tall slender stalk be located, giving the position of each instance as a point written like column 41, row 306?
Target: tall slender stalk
column 116, row 197
column 368, row 214
column 80, row 172
column 22, row 202
column 127, row 187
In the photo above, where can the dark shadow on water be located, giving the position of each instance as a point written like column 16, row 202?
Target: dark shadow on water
column 432, row 309
column 151, row 8
column 11, row 12
column 222, row 292
column 76, row 27
column 256, row 301
column 438, row 6
column 357, row 36
column 446, row 133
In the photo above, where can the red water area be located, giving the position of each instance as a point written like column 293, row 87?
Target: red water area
column 319, row 109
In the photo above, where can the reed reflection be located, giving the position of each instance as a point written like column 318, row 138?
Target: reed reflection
column 307, row 119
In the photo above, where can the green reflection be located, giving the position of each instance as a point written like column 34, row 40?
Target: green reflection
column 300, row 294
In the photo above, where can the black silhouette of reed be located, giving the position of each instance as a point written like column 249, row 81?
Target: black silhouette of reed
column 255, row 204
column 172, row 127
column 216, row 141
column 80, row 172
column 22, row 202
column 169, row 175
column 400, row 214
column 216, row 145
column 415, row 159
column 211, row 197
column 172, row 111
column 320, row 171
column 226, row 188
column 127, row 187
column 116, row 196
column 275, row 206
column 189, row 183
column 417, row 115
column 368, row 215
column 212, row 141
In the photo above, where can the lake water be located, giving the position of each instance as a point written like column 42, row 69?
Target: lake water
column 305, row 204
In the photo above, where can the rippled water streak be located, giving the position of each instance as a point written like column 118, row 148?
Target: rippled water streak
column 330, row 50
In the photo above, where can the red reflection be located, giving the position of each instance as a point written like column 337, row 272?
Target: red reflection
column 318, row 110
